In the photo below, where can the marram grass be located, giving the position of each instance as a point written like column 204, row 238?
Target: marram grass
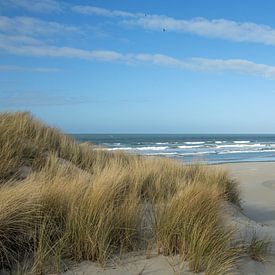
column 81, row 203
column 259, row 248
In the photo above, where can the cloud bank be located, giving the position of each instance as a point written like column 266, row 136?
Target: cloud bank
column 24, row 25
column 45, row 6
column 19, row 45
column 217, row 28
column 24, row 35
column 91, row 10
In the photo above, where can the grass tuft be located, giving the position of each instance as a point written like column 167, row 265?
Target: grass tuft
column 259, row 249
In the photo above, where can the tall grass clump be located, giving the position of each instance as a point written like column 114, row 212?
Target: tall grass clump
column 79, row 202
column 189, row 225
column 19, row 212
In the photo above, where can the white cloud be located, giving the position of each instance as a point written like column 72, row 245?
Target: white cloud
column 15, row 68
column 17, row 45
column 39, row 99
column 217, row 28
column 234, row 65
column 24, row 46
column 45, row 6
column 31, row 26
column 91, row 10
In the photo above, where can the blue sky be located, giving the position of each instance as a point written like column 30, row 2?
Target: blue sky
column 140, row 66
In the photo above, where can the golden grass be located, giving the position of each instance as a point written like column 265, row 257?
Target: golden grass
column 80, row 203
column 189, row 225
column 19, row 204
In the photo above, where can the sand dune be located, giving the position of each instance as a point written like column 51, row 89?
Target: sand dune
column 257, row 185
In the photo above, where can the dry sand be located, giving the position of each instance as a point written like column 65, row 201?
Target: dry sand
column 257, row 185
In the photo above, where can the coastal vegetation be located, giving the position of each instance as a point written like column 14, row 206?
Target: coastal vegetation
column 259, row 248
column 61, row 200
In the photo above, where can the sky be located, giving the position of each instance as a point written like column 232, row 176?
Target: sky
column 140, row 66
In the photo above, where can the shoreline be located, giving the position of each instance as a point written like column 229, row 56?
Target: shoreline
column 242, row 162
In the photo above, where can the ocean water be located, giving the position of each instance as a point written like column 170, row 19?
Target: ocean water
column 186, row 147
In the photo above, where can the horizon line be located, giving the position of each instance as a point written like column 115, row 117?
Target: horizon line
column 118, row 133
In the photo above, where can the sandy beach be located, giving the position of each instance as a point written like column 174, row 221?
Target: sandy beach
column 257, row 186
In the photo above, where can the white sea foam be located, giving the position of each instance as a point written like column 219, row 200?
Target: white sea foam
column 120, row 148
column 194, row 142
column 222, row 152
column 163, row 154
column 241, row 141
column 154, row 148
column 189, row 147
column 195, row 153
column 220, row 141
column 246, row 151
column 196, row 148
column 162, row 143
column 241, row 145
column 149, row 148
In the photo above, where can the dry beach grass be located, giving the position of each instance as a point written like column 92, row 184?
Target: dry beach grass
column 80, row 203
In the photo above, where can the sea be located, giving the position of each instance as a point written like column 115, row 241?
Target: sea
column 208, row 148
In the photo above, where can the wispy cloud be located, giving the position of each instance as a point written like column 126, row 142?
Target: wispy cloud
column 45, row 6
column 15, row 68
column 217, row 28
column 27, row 99
column 23, row 46
column 25, row 36
column 220, row 28
column 234, row 65
column 39, row 99
column 22, row 25
column 91, row 10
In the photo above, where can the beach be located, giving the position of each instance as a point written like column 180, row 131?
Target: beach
column 257, row 187
column 137, row 137
column 75, row 208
